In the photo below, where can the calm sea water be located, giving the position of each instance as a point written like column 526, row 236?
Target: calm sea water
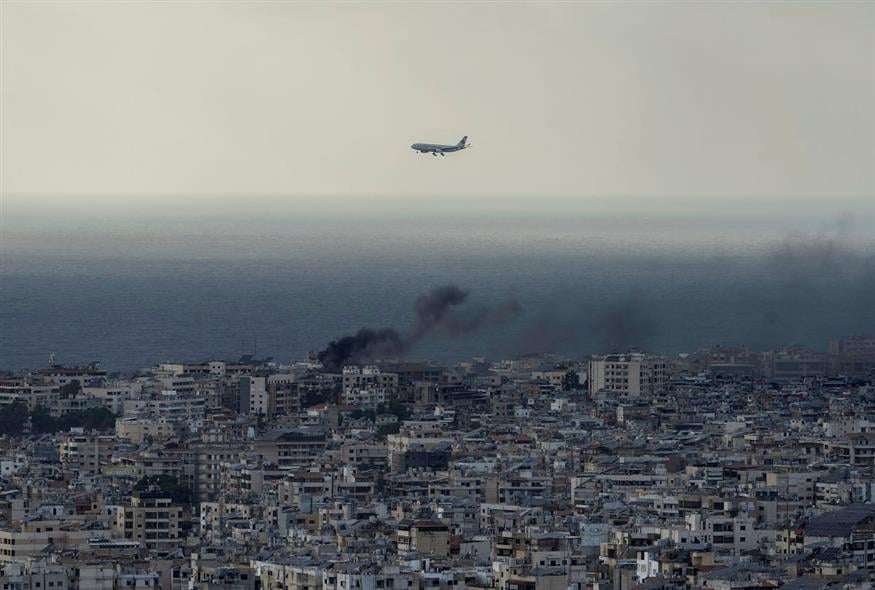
column 133, row 292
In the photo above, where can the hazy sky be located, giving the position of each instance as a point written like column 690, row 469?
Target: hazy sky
column 159, row 99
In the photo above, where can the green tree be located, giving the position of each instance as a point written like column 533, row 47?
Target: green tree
column 398, row 409
column 385, row 429
column 13, row 417
column 570, row 381
column 42, row 422
column 91, row 419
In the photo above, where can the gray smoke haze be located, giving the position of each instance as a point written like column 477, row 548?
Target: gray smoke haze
column 621, row 322
column 807, row 285
column 807, row 275
column 434, row 311
column 685, row 274
column 431, row 308
column 463, row 321
column 801, row 261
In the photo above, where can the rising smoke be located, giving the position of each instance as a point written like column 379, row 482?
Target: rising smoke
column 431, row 309
column 809, row 276
column 803, row 288
column 364, row 344
column 583, row 321
column 800, row 289
column 442, row 310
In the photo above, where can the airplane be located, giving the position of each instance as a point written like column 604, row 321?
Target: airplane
column 435, row 149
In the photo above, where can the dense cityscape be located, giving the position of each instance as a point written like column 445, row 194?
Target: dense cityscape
column 725, row 468
column 437, row 295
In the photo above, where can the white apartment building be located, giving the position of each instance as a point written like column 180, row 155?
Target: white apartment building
column 113, row 396
column 254, row 398
column 170, row 405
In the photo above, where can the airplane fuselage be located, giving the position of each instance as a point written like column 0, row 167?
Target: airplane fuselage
column 436, row 148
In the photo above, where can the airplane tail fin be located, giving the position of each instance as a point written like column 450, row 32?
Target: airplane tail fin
column 462, row 141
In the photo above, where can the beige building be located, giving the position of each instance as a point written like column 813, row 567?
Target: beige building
column 34, row 536
column 364, row 454
column 86, row 452
column 203, row 463
column 426, row 537
column 32, row 394
column 289, row 448
column 629, row 375
column 150, row 518
column 138, row 429
column 33, row 574
column 284, row 395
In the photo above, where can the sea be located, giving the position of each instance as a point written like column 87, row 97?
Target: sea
column 132, row 286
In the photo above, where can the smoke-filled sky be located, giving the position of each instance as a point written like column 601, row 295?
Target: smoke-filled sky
column 147, row 101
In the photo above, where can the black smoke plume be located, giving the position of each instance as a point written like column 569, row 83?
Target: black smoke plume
column 364, row 344
column 437, row 310
column 431, row 308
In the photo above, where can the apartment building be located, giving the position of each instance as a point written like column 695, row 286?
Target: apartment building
column 33, row 574
column 20, row 390
column 151, row 518
column 86, row 452
column 254, row 398
column 628, row 375
column 291, row 447
column 33, row 536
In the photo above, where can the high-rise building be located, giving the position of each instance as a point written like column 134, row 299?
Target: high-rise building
column 253, row 396
column 631, row 375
